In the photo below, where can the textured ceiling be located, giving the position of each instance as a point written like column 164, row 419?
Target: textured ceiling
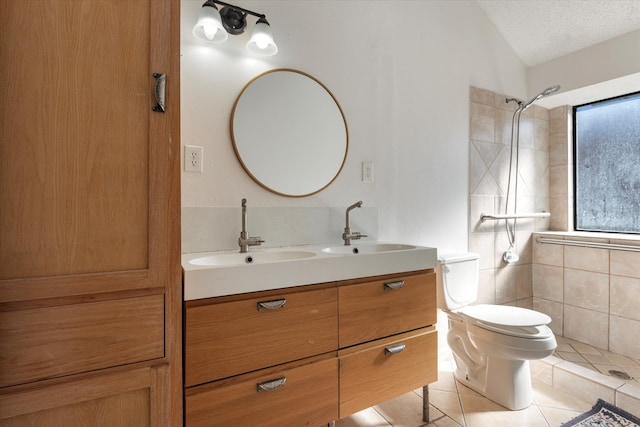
column 541, row 30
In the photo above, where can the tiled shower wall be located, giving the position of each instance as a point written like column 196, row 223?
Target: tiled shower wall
column 592, row 294
column 490, row 146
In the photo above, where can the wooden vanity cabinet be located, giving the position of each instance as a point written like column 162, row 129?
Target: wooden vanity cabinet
column 388, row 340
column 282, row 343
column 90, row 274
column 330, row 351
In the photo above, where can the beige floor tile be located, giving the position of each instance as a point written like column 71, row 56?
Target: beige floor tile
column 447, row 402
column 583, row 348
column 620, row 360
column 481, row 412
column 546, row 396
column 403, row 411
column 556, row 416
column 571, row 356
column 597, row 359
column 446, row 382
column 445, row 422
column 365, row 418
column 463, row 389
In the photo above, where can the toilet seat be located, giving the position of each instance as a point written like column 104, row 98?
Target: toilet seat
column 508, row 320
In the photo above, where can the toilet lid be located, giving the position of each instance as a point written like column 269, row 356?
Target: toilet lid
column 504, row 315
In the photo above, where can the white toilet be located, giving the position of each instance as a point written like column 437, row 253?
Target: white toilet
column 491, row 344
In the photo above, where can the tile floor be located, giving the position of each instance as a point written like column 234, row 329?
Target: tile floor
column 454, row 405
column 598, row 360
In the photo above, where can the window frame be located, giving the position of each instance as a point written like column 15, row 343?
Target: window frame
column 574, row 161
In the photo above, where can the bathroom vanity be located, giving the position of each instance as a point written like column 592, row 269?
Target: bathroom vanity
column 312, row 350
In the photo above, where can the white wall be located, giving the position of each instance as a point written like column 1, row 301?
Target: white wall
column 401, row 71
column 583, row 74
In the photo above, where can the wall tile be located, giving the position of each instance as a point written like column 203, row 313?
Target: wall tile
column 506, row 284
column 584, row 383
column 548, row 282
column 590, row 259
column 482, row 243
column 586, row 289
column 558, row 120
column 559, row 215
column 628, row 399
column 481, row 96
column 625, row 297
column 524, row 287
column 545, row 253
column 503, row 127
column 479, row 205
column 625, row 263
column 558, row 186
column 553, row 309
column 541, row 140
column 482, row 123
column 587, row 326
column 624, row 335
column 486, row 287
column 558, row 150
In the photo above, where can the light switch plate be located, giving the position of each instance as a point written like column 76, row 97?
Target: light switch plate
column 367, row 171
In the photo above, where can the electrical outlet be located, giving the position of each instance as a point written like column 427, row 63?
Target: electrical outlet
column 192, row 158
column 367, row 171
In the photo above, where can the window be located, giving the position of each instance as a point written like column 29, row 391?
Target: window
column 607, row 165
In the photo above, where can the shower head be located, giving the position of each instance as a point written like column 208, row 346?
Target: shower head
column 548, row 91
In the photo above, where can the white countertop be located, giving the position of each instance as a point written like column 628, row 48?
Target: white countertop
column 205, row 281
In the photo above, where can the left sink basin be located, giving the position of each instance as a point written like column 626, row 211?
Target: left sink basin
column 250, row 258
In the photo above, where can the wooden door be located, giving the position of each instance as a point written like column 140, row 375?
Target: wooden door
column 89, row 187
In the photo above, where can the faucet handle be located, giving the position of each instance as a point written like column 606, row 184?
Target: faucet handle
column 255, row 241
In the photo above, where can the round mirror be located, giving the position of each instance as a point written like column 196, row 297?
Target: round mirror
column 289, row 133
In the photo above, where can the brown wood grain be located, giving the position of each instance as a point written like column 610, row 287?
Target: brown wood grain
column 368, row 376
column 231, row 338
column 368, row 311
column 309, row 397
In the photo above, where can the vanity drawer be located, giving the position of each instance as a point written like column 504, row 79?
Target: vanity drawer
column 382, row 308
column 230, row 338
column 308, row 397
column 381, row 370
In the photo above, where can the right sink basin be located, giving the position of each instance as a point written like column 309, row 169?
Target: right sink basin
column 366, row 248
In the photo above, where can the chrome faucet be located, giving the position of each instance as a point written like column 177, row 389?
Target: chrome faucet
column 244, row 241
column 347, row 236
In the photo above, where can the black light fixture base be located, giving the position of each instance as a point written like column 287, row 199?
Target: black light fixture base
column 233, row 20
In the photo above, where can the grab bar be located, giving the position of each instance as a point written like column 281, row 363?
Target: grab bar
column 484, row 217
column 579, row 243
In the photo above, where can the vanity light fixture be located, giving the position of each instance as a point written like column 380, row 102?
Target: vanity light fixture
column 214, row 27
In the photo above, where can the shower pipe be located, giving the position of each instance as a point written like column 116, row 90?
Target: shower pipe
column 484, row 217
column 515, row 134
column 612, row 246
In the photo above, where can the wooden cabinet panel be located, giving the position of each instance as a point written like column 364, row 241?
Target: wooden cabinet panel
column 370, row 375
column 75, row 100
column 231, row 338
column 309, row 397
column 370, row 310
column 122, row 399
column 55, row 341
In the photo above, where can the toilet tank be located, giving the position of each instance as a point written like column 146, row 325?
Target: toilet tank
column 457, row 275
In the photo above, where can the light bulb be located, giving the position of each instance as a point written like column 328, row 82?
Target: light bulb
column 209, row 31
column 262, row 42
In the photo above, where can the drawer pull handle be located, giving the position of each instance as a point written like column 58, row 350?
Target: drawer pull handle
column 272, row 384
column 272, row 305
column 394, row 349
column 394, row 285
